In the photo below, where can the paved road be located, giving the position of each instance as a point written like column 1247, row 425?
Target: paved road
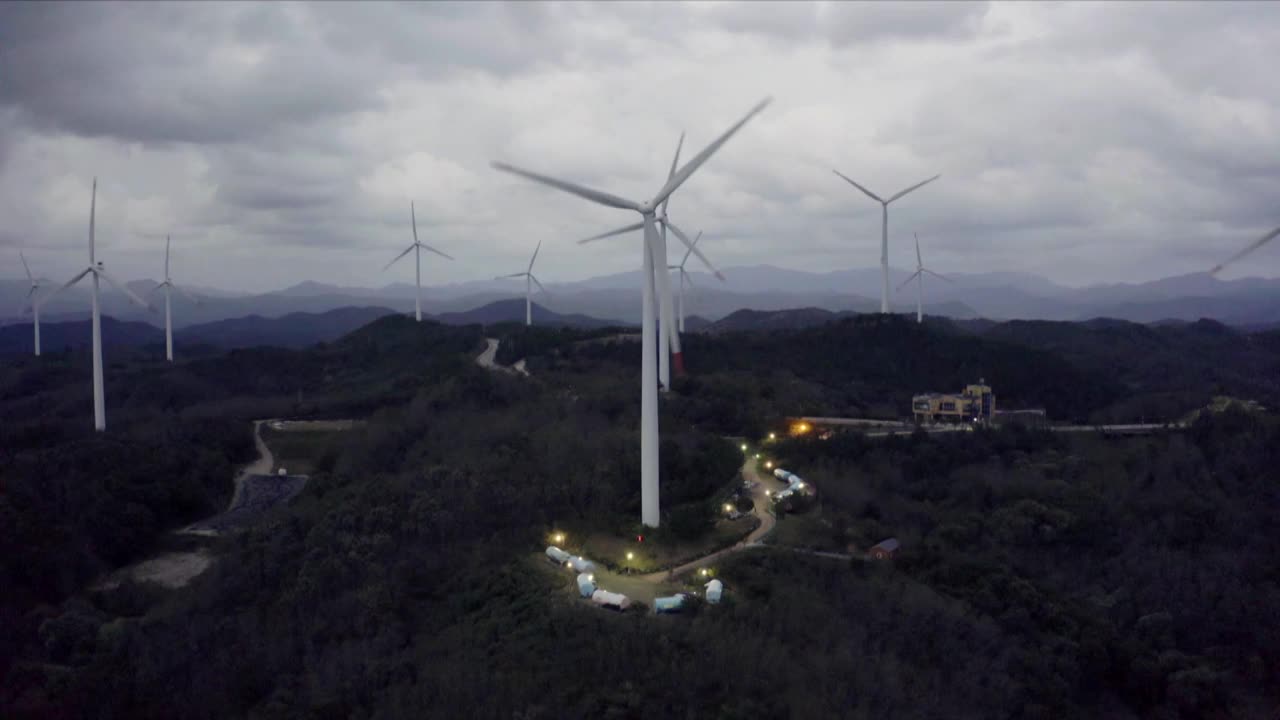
column 261, row 466
column 761, row 511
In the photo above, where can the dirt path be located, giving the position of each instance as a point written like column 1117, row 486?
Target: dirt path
column 486, row 359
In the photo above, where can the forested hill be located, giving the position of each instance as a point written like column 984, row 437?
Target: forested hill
column 1040, row 576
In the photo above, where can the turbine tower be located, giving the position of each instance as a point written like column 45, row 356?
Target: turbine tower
column 168, row 314
column 529, row 282
column 918, row 276
column 668, row 334
column 1248, row 249
column 649, row 508
column 97, row 270
column 884, row 231
column 684, row 278
column 32, row 302
column 417, row 249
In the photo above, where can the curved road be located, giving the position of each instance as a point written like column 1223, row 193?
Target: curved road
column 761, row 511
column 486, row 359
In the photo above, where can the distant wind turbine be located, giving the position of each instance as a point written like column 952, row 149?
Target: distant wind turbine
column 97, row 271
column 918, row 276
column 529, row 282
column 32, row 301
column 649, row 508
column 168, row 314
column 1248, row 249
column 884, row 231
column 417, row 249
column 684, row 278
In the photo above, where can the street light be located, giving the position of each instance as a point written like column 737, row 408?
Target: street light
column 773, row 436
column 768, row 465
column 631, row 556
column 744, row 447
column 558, row 538
column 728, row 507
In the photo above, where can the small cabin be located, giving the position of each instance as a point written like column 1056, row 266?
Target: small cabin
column 580, row 564
column 557, row 556
column 884, row 550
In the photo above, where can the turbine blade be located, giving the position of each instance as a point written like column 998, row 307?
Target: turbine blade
column 25, row 267
column 683, row 173
column 919, row 261
column 868, row 193
column 674, row 161
column 904, row 282
column 65, row 285
column 689, row 252
column 917, row 186
column 687, row 277
column 535, row 282
column 940, row 277
column 428, row 247
column 581, row 191
column 413, row 218
column 630, row 228
column 1248, row 249
column 406, row 252
column 693, row 249
column 93, row 211
column 24, row 308
column 156, row 289
column 166, row 257
column 535, row 256
column 512, row 275
column 102, row 273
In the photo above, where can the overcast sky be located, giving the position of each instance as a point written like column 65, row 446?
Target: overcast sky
column 280, row 143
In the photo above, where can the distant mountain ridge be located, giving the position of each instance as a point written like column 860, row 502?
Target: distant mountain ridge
column 295, row 330
column 1249, row 302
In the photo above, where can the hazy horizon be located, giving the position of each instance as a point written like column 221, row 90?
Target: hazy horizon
column 1085, row 143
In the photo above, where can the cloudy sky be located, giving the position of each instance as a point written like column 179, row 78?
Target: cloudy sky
column 282, row 142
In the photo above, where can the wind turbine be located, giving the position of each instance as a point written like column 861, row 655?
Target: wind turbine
column 31, row 301
column 884, row 231
column 98, row 272
column 1248, row 249
column 918, row 276
column 668, row 334
column 417, row 249
column 528, row 285
column 684, row 278
column 168, row 316
column 649, row 509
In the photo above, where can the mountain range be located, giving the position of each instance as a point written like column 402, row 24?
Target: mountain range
column 294, row 330
column 611, row 299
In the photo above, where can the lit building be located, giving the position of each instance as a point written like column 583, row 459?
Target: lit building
column 976, row 403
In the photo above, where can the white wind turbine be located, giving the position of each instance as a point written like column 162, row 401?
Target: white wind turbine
column 668, row 334
column 884, row 231
column 529, row 282
column 684, row 278
column 168, row 315
column 918, row 276
column 32, row 302
column 97, row 271
column 1248, row 249
column 649, row 508
column 417, row 248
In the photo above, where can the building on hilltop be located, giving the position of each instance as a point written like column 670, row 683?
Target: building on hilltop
column 884, row 550
column 976, row 403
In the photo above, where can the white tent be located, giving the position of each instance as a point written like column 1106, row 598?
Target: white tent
column 586, row 585
column 581, row 564
column 557, row 556
column 714, row 589
column 616, row 601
